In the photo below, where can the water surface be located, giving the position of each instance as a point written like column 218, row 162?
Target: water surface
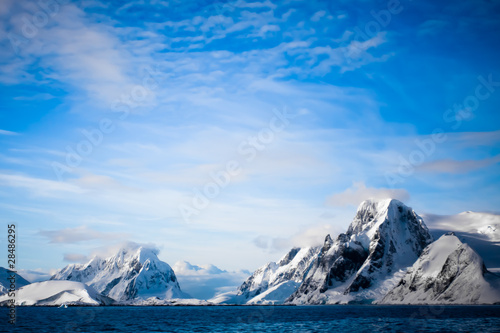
column 338, row 318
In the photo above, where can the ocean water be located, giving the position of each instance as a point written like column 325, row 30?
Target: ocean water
column 336, row 318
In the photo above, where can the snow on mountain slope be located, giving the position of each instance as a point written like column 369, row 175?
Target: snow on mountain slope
column 56, row 293
column 447, row 272
column 361, row 265
column 5, row 283
column 132, row 273
column 274, row 282
column 276, row 294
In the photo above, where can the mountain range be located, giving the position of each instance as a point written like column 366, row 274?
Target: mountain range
column 369, row 264
column 386, row 256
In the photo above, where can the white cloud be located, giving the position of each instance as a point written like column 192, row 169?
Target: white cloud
column 37, row 186
column 265, row 29
column 359, row 192
column 75, row 257
column 96, row 64
column 318, row 15
column 475, row 139
column 78, row 234
column 4, row 132
column 432, row 27
column 481, row 224
column 185, row 268
column 310, row 236
column 109, row 250
column 206, row 281
column 263, row 4
column 457, row 167
column 35, row 275
column 37, row 97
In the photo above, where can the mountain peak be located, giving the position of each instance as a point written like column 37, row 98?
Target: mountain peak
column 373, row 213
column 328, row 239
column 133, row 272
column 129, row 253
column 144, row 253
column 380, row 204
column 384, row 237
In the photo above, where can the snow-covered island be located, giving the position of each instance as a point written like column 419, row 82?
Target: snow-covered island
column 386, row 256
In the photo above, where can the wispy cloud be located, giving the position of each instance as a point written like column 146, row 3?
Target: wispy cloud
column 5, row 132
column 457, row 166
column 38, row 186
column 431, row 27
column 318, row 15
column 359, row 192
column 78, row 234
column 310, row 236
column 206, row 281
column 75, row 257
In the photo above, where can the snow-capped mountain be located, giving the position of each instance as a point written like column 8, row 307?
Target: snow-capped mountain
column 447, row 272
column 274, row 282
column 130, row 274
column 5, row 283
column 55, row 293
column 361, row 265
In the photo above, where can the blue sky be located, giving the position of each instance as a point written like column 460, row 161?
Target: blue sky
column 227, row 132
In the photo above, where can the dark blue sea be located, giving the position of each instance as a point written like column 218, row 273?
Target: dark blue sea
column 336, row 318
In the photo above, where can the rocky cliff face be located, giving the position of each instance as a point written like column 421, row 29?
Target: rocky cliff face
column 447, row 272
column 128, row 275
column 384, row 237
